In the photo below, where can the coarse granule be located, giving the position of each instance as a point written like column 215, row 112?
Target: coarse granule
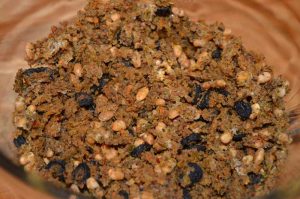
column 134, row 100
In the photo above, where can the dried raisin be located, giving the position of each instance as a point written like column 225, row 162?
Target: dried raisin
column 238, row 137
column 31, row 71
column 243, row 109
column 136, row 152
column 163, row 11
column 196, row 175
column 217, row 54
column 58, row 168
column 191, row 141
column 255, row 178
column 81, row 173
column 19, row 141
column 85, row 100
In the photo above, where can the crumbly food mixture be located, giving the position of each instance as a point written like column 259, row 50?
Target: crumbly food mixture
column 133, row 100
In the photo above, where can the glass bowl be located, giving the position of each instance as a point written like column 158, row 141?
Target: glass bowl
column 270, row 27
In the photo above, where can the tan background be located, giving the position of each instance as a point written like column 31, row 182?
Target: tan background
column 271, row 27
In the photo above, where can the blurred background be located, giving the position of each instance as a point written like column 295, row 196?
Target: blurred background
column 270, row 27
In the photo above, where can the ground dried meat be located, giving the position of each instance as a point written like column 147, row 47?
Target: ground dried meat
column 132, row 99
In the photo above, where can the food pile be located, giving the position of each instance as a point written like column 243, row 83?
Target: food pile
column 134, row 100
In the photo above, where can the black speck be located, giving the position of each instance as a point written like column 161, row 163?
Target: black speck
column 196, row 175
column 118, row 34
column 81, row 173
column 217, row 54
column 255, row 178
column 124, row 194
column 243, row 109
column 249, row 98
column 191, row 141
column 157, row 45
column 186, row 194
column 19, row 141
column 238, row 137
column 106, row 77
column 136, row 152
column 57, row 167
column 163, row 11
column 127, row 63
column 85, row 101
column 89, row 149
column 142, row 113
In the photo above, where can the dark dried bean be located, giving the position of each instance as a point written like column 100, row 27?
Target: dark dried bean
column 58, row 168
column 196, row 175
column 186, row 194
column 255, row 178
column 19, row 141
column 81, row 173
column 238, row 137
column 136, row 152
column 124, row 194
column 243, row 109
column 191, row 140
column 163, row 11
column 217, row 54
column 85, row 100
